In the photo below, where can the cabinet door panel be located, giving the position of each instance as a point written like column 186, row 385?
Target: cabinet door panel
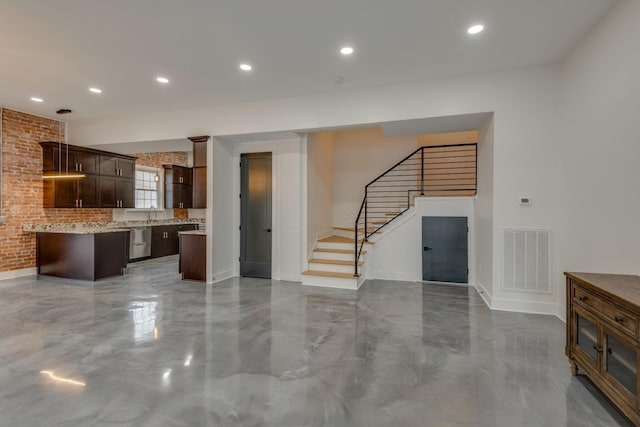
column 108, row 165
column 199, row 154
column 126, row 192
column 199, row 188
column 89, row 192
column 87, row 162
column 187, row 196
column 127, row 168
column 586, row 341
column 621, row 364
column 65, row 193
column 108, row 191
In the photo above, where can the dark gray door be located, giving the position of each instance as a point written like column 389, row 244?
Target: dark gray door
column 444, row 249
column 255, row 215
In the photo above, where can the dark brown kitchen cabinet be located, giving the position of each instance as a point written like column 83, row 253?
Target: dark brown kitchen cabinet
column 200, row 188
column 117, row 166
column 165, row 240
column 178, row 189
column 108, row 181
column 68, row 158
column 174, row 174
column 200, row 171
column 193, row 256
column 71, row 193
column 116, row 192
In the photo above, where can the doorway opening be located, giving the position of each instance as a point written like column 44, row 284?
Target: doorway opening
column 255, row 215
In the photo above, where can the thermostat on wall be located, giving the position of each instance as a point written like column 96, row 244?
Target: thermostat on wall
column 525, row 201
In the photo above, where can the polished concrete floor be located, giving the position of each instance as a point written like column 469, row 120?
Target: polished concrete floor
column 146, row 349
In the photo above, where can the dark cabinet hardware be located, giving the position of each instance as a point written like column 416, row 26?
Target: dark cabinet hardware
column 582, row 298
column 619, row 319
column 427, row 248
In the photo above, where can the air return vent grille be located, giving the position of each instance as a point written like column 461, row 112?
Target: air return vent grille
column 526, row 260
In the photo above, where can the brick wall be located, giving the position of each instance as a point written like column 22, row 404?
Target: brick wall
column 22, row 188
column 156, row 160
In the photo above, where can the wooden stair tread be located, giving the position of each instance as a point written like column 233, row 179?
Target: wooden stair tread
column 329, row 274
column 337, row 251
column 353, row 229
column 340, row 239
column 333, row 261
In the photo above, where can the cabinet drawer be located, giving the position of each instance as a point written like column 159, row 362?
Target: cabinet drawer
column 622, row 319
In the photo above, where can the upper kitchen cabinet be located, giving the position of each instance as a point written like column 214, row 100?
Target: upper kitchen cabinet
column 58, row 157
column 111, row 165
column 174, row 174
column 200, row 171
column 178, row 189
column 108, row 180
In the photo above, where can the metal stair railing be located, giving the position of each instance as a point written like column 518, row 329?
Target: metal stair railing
column 431, row 170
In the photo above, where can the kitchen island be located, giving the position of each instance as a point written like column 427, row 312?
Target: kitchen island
column 82, row 254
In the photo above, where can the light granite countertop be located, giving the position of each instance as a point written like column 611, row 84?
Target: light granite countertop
column 103, row 227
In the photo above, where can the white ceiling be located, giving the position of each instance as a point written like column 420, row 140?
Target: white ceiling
column 58, row 49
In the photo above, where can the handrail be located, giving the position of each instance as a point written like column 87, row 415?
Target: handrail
column 414, row 179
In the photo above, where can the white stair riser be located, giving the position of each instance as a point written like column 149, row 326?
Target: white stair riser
column 345, row 233
column 335, row 245
column 332, row 282
column 338, row 268
column 334, row 255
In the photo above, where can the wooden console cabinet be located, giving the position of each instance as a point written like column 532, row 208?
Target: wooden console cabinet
column 602, row 335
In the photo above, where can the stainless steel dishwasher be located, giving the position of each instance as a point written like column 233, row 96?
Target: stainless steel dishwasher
column 139, row 243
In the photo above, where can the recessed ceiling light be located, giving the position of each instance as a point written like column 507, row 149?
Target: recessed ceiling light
column 475, row 29
column 36, row 99
column 95, row 90
column 347, row 50
column 162, row 80
column 246, row 67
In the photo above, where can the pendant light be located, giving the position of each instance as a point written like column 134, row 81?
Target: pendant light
column 62, row 174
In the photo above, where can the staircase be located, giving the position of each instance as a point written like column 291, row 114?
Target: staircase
column 339, row 260
column 333, row 259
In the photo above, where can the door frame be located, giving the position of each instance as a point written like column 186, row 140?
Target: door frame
column 258, row 147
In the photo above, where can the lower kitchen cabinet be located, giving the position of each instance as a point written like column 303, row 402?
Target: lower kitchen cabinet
column 83, row 256
column 193, row 258
column 165, row 240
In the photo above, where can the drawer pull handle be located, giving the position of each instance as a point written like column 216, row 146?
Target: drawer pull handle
column 598, row 349
column 582, row 298
column 619, row 319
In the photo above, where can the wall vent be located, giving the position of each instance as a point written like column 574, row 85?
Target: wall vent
column 526, row 259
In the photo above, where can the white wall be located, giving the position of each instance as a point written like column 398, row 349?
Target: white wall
column 319, row 187
column 600, row 172
column 220, row 210
column 289, row 208
column 359, row 157
column 525, row 103
column 397, row 253
column 483, row 207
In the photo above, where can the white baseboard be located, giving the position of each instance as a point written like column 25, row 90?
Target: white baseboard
column 14, row 274
column 402, row 276
column 519, row 306
column 221, row 276
column 484, row 293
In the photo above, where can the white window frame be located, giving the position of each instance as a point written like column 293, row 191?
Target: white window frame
column 160, row 189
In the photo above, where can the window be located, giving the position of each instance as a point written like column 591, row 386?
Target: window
column 147, row 188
